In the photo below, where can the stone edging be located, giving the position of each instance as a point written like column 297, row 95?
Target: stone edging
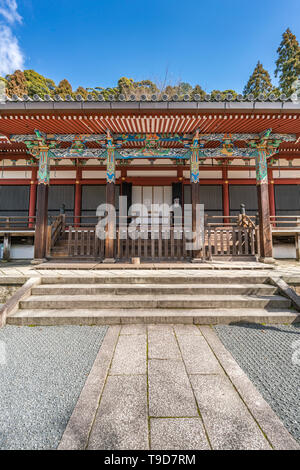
column 267, row 420
column 12, row 305
column 76, row 434
column 286, row 291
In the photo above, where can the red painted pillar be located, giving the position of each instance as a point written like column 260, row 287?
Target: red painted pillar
column 226, row 211
column 271, row 193
column 77, row 208
column 32, row 197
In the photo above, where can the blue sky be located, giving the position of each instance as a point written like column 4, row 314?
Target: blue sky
column 214, row 43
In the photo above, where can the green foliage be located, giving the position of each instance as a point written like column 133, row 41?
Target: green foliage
column 259, row 82
column 81, row 91
column 183, row 89
column 127, row 87
column 63, row 89
column 288, row 62
column 223, row 94
column 37, row 84
column 197, row 90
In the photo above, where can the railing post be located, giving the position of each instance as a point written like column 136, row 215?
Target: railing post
column 6, row 247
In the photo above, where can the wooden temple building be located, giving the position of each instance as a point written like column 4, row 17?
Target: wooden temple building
column 60, row 159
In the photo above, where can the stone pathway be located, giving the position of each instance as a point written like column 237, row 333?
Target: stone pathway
column 170, row 387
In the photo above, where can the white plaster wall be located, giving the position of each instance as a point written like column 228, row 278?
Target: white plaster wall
column 15, row 174
column 22, row 251
column 93, row 174
column 148, row 173
column 62, row 174
column 241, row 174
column 210, row 174
column 284, row 251
column 286, row 174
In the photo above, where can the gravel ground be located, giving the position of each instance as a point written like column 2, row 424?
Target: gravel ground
column 42, row 372
column 270, row 356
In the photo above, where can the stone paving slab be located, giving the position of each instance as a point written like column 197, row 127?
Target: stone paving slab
column 167, row 407
column 162, row 344
column 170, row 392
column 197, row 356
column 178, row 433
column 227, row 420
column 121, row 422
column 130, row 355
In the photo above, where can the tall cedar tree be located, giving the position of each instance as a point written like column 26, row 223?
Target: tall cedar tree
column 288, row 62
column 259, row 82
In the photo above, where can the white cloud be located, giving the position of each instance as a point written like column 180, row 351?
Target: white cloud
column 11, row 56
column 8, row 9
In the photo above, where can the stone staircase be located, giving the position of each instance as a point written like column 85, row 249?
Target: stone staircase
column 153, row 298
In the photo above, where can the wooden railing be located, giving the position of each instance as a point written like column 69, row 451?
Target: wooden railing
column 83, row 242
column 57, row 228
column 158, row 241
column 17, row 223
column 229, row 241
column 285, row 222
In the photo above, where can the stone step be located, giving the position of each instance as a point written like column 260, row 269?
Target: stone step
column 156, row 277
column 178, row 316
column 148, row 301
column 129, row 289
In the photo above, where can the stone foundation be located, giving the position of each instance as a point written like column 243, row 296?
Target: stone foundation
column 6, row 292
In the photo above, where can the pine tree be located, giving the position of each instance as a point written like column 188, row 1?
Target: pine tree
column 259, row 82
column 288, row 62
